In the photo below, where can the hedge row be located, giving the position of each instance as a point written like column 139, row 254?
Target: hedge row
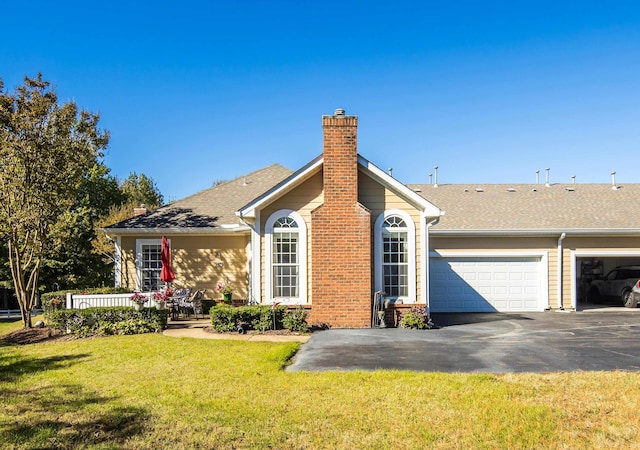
column 225, row 318
column 108, row 321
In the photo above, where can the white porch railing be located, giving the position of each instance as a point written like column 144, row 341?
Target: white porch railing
column 82, row 301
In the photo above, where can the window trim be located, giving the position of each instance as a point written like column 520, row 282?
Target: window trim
column 302, row 258
column 139, row 244
column 411, row 246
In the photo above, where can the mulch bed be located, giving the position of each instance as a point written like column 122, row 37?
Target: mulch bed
column 27, row 336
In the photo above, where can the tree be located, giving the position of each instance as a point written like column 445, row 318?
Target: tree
column 140, row 189
column 103, row 245
column 70, row 260
column 45, row 150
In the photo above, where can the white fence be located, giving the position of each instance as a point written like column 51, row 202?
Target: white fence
column 16, row 314
column 91, row 300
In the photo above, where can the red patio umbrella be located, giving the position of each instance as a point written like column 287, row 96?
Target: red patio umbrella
column 166, row 274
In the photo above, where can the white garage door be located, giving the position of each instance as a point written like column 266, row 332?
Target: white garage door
column 485, row 284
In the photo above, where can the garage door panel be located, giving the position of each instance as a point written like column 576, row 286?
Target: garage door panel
column 485, row 284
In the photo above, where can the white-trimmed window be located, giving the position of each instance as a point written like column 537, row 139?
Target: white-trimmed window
column 395, row 256
column 148, row 264
column 286, row 242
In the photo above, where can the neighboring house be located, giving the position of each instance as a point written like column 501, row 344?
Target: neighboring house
column 339, row 229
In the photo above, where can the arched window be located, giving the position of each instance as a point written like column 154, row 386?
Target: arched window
column 286, row 257
column 395, row 255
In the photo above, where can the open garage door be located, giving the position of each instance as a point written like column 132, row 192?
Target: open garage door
column 487, row 284
column 591, row 268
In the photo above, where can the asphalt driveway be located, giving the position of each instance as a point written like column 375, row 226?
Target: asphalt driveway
column 492, row 342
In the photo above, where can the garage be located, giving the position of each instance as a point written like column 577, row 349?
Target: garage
column 488, row 284
column 592, row 268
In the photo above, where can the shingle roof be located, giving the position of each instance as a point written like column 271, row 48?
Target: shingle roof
column 534, row 207
column 489, row 207
column 213, row 207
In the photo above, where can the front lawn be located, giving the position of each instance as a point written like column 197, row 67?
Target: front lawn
column 151, row 391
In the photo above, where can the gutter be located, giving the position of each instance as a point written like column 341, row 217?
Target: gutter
column 427, row 259
column 221, row 230
column 560, row 253
column 546, row 232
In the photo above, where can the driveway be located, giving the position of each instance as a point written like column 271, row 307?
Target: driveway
column 492, row 342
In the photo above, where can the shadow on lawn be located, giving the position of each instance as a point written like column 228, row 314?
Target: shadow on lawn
column 58, row 417
column 14, row 367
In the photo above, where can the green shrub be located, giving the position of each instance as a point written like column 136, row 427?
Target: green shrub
column 107, row 321
column 416, row 318
column 226, row 318
column 207, row 305
column 263, row 318
column 296, row 320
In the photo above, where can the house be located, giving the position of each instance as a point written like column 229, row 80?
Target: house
column 331, row 234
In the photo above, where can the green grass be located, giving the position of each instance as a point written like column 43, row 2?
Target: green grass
column 151, row 391
column 9, row 325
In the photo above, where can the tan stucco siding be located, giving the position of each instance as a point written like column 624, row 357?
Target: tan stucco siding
column 501, row 246
column 379, row 199
column 303, row 200
column 198, row 262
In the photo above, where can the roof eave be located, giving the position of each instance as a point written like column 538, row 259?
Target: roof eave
column 428, row 208
column 582, row 232
column 231, row 229
column 305, row 172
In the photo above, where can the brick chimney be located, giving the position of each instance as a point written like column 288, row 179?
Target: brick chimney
column 341, row 233
column 140, row 210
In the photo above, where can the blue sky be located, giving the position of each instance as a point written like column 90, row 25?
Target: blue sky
column 198, row 91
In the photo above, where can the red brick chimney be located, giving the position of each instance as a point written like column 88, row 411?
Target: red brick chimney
column 140, row 210
column 341, row 233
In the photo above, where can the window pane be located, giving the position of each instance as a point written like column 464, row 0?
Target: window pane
column 151, row 266
column 285, row 263
column 395, row 258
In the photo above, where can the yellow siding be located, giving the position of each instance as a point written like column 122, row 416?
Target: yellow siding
column 303, row 200
column 198, row 262
column 128, row 245
column 309, row 195
column 378, row 199
column 498, row 245
column 597, row 245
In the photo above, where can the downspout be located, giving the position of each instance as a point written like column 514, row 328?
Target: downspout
column 426, row 259
column 560, row 253
column 117, row 264
column 253, row 259
column 117, row 258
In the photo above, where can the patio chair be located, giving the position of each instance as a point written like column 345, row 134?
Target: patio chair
column 194, row 303
column 178, row 300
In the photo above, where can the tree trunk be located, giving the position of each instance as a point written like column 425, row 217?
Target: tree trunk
column 26, row 289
